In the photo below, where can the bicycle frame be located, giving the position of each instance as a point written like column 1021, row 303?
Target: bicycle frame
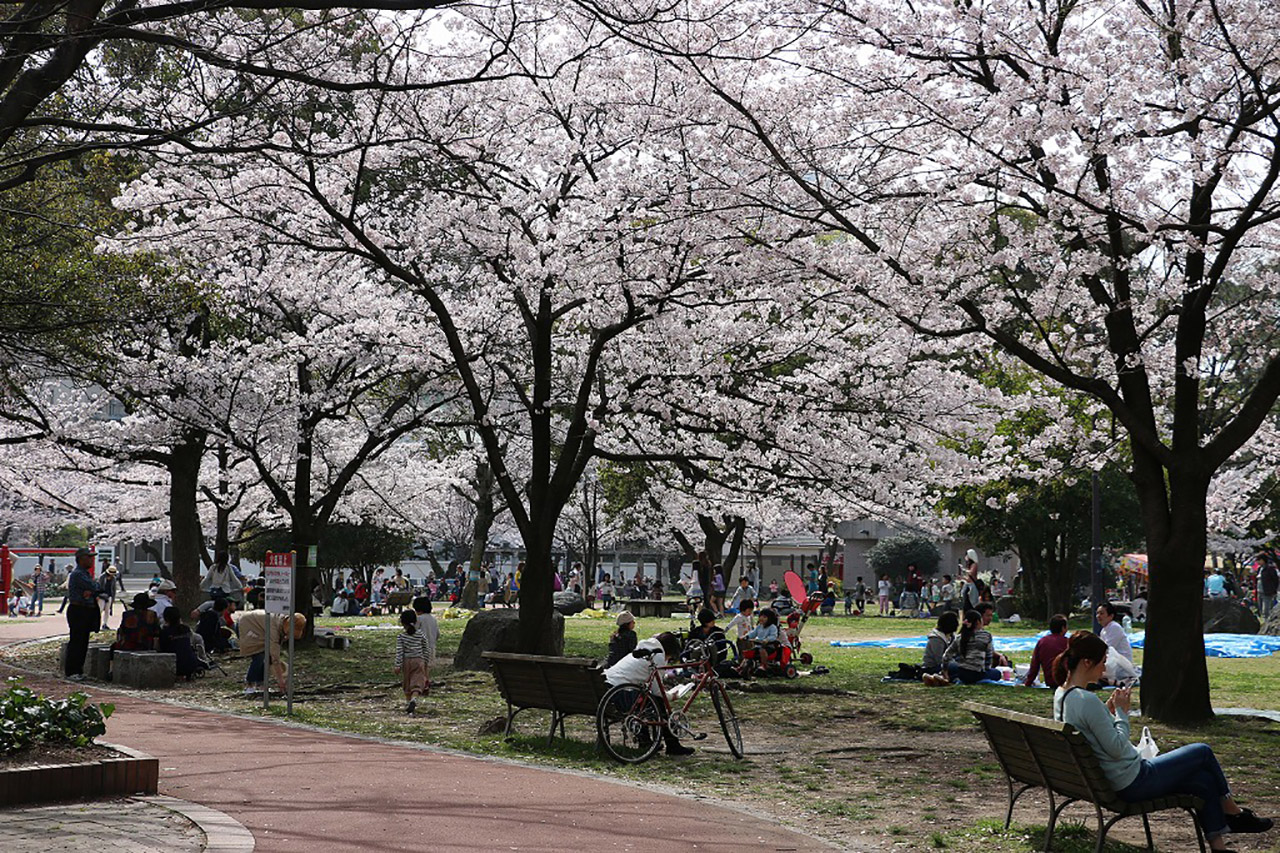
column 701, row 679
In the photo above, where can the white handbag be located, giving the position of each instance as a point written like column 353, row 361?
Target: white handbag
column 1147, row 745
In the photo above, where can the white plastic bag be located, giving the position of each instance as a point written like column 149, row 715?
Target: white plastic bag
column 1147, row 745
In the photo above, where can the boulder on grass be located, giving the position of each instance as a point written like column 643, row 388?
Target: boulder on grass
column 499, row 631
column 1228, row 616
column 568, row 603
column 1272, row 626
column 1006, row 606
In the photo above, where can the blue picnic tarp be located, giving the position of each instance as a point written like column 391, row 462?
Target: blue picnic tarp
column 1215, row 645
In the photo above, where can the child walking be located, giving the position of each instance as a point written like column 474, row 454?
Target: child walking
column 413, row 653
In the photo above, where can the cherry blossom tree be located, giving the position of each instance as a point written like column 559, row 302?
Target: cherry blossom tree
column 1088, row 190
column 539, row 228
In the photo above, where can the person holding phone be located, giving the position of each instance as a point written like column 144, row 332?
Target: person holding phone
column 1192, row 769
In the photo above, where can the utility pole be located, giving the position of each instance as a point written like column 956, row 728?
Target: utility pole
column 1095, row 554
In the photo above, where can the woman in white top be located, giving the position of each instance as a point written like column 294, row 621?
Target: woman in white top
column 1191, row 769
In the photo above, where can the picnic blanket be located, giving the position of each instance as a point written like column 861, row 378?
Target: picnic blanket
column 1215, row 645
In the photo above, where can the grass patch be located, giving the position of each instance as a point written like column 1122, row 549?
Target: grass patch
column 833, row 762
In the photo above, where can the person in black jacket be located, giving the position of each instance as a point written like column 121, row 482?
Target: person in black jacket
column 711, row 634
column 176, row 639
column 623, row 640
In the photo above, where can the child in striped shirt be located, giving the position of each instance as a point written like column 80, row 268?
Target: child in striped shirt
column 413, row 654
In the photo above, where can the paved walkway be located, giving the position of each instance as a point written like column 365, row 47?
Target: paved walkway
column 302, row 791
column 105, row 825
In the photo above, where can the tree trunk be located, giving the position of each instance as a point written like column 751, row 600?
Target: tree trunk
column 222, row 521
column 1059, row 579
column 480, row 529
column 535, row 591
column 737, row 526
column 184, row 518
column 1034, row 590
column 1175, row 677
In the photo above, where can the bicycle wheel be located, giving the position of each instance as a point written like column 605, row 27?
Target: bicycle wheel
column 728, row 718
column 628, row 723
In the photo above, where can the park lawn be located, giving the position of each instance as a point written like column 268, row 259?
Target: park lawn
column 842, row 756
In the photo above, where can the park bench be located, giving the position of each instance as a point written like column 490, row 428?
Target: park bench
column 563, row 686
column 1041, row 753
column 643, row 608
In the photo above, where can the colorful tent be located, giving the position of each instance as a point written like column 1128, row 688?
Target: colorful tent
column 1132, row 564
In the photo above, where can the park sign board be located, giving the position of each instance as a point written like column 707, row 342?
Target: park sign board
column 278, row 572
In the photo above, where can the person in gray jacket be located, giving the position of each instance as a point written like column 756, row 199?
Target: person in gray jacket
column 939, row 639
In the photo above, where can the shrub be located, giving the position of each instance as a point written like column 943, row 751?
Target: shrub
column 892, row 556
column 27, row 718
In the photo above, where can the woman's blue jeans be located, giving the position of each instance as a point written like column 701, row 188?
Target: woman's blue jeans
column 257, row 665
column 971, row 676
column 1192, row 769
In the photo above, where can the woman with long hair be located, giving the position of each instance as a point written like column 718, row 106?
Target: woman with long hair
column 969, row 657
column 1192, row 769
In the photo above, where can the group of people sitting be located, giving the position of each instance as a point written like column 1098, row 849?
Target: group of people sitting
column 142, row 630
column 760, row 640
column 962, row 650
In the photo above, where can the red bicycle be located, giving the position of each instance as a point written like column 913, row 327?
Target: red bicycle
column 630, row 717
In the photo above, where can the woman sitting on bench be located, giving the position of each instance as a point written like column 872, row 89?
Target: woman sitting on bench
column 1192, row 769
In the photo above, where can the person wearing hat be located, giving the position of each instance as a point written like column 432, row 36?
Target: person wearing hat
column 253, row 640
column 139, row 627
column 83, row 616
column 166, row 592
column 623, row 641
column 110, row 583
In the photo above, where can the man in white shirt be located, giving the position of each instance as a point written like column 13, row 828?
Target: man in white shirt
column 166, row 592
column 636, row 667
column 1119, row 665
column 1112, row 632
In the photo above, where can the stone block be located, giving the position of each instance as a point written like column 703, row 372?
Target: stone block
column 97, row 663
column 332, row 640
column 145, row 670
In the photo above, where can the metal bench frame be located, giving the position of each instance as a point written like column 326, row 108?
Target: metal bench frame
column 1035, row 752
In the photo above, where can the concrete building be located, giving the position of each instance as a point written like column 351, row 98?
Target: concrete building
column 860, row 535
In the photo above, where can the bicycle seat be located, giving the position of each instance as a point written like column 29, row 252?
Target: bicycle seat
column 644, row 653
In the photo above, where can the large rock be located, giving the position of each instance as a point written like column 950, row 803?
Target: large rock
column 1228, row 616
column 1006, row 606
column 1272, row 625
column 499, row 631
column 568, row 603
